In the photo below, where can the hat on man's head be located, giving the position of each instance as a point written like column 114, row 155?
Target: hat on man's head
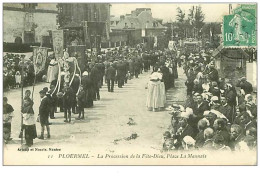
column 243, row 78
column 42, row 92
column 45, row 89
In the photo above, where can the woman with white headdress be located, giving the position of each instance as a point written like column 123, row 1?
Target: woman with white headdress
column 156, row 97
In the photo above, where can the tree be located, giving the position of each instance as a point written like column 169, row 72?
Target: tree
column 199, row 18
column 181, row 23
column 195, row 20
column 180, row 15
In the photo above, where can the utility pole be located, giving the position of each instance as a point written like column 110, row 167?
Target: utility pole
column 172, row 31
column 230, row 8
column 22, row 78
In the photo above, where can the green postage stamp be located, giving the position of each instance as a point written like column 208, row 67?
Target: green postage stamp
column 239, row 28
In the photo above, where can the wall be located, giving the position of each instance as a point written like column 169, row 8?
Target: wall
column 153, row 32
column 45, row 22
column 230, row 67
column 13, row 24
column 251, row 74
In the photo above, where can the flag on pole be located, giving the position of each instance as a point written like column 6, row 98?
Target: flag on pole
column 39, row 58
column 57, row 36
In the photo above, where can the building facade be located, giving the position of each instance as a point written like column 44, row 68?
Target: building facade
column 139, row 25
column 28, row 22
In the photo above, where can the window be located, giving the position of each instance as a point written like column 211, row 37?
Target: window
column 132, row 25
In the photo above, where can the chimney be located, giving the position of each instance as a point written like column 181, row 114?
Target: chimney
column 149, row 10
column 122, row 17
column 133, row 13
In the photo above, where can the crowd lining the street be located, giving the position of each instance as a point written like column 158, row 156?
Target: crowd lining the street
column 219, row 115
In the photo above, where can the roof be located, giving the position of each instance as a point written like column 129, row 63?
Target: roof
column 143, row 20
column 114, row 18
column 129, row 20
column 222, row 49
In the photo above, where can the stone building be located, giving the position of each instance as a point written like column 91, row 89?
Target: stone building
column 28, row 22
column 139, row 25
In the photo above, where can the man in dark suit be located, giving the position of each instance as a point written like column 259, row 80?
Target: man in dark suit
column 120, row 73
column 226, row 109
column 221, row 129
column 245, row 85
column 246, row 122
column 213, row 73
column 44, row 114
column 200, row 107
column 52, row 100
column 208, row 136
column 74, row 86
column 95, row 77
column 236, row 136
column 184, row 130
column 202, row 125
column 67, row 102
column 110, row 76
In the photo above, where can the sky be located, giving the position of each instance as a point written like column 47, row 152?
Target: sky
column 167, row 11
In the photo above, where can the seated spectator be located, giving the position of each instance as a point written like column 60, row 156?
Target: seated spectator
column 246, row 122
column 226, row 109
column 211, row 117
column 220, row 129
column 245, row 85
column 219, row 143
column 208, row 136
column 202, row 125
column 252, row 132
column 236, row 136
column 200, row 107
column 184, row 130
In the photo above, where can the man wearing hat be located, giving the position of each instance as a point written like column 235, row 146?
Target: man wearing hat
column 213, row 73
column 67, row 102
column 245, row 85
column 95, row 77
column 184, row 130
column 120, row 73
column 110, row 76
column 44, row 114
column 7, row 118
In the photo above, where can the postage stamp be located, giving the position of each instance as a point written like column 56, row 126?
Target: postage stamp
column 239, row 28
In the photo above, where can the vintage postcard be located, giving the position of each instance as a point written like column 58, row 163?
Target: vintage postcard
column 129, row 83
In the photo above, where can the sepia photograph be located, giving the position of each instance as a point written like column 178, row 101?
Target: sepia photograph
column 129, row 83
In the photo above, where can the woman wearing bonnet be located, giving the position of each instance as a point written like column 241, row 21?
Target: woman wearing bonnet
column 156, row 97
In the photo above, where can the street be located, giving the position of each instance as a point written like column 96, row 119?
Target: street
column 105, row 126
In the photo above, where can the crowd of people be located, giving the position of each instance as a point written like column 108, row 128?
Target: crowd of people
column 12, row 71
column 219, row 113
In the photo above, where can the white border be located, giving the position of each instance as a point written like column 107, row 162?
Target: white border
column 132, row 174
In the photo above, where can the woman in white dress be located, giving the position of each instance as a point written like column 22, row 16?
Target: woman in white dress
column 156, row 97
column 53, row 71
